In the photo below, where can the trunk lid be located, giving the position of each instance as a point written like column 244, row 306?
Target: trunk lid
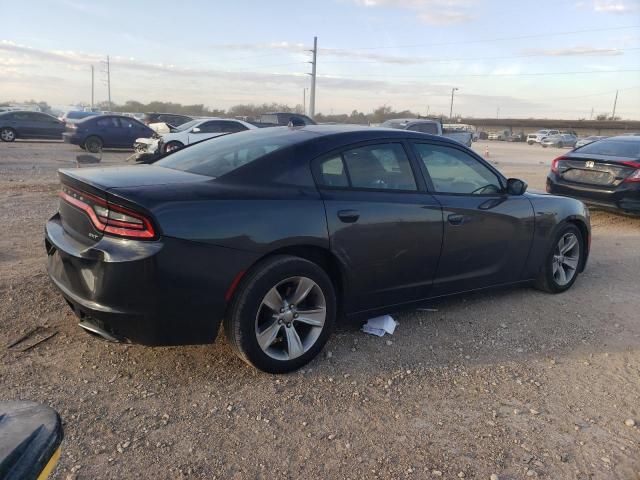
column 85, row 194
column 595, row 170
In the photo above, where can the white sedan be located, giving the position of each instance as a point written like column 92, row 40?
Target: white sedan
column 201, row 129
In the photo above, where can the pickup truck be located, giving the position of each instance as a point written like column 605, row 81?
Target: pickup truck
column 540, row 135
column 429, row 126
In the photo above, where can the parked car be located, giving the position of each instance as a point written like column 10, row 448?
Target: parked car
column 106, row 131
column 539, row 135
column 560, row 140
column 27, row 124
column 277, row 230
column 517, row 137
column 172, row 119
column 75, row 116
column 198, row 130
column 605, row 173
column 581, row 142
column 282, row 118
column 501, row 135
column 429, row 126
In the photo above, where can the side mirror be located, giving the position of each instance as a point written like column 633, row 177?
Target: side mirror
column 195, row 130
column 516, row 186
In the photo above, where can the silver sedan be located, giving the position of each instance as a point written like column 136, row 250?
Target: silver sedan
column 560, row 140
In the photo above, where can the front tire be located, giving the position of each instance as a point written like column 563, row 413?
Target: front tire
column 8, row 134
column 282, row 314
column 563, row 262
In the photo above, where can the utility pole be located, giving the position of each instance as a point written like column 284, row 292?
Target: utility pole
column 92, row 87
column 451, row 109
column 615, row 101
column 498, row 113
column 304, row 100
column 108, row 72
column 591, row 114
column 312, row 97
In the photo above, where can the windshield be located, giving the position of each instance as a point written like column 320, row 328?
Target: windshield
column 187, row 126
column 614, row 148
column 221, row 155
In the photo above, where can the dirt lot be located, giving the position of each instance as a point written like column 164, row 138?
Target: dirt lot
column 515, row 383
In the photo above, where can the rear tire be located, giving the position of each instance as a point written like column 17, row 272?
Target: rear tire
column 272, row 324
column 93, row 144
column 563, row 255
column 8, row 134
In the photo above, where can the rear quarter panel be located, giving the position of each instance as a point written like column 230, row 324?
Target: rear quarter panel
column 551, row 213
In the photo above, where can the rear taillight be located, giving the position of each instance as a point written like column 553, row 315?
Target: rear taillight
column 109, row 218
column 554, row 163
column 635, row 175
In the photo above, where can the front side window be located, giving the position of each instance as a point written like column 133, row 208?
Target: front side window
column 454, row 171
column 383, row 166
column 211, row 127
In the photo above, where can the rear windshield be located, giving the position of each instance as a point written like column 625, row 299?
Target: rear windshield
column 614, row 148
column 221, row 155
column 80, row 114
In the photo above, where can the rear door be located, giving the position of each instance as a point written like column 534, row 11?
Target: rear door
column 487, row 233
column 131, row 130
column 108, row 129
column 382, row 223
column 46, row 126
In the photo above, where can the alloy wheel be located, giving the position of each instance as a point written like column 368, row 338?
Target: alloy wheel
column 7, row 135
column 290, row 318
column 566, row 259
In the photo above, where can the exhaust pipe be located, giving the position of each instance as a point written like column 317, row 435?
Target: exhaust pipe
column 95, row 330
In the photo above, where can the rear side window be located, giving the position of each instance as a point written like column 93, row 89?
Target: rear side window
column 613, row 148
column 221, row 155
column 333, row 173
column 378, row 167
column 431, row 128
column 107, row 122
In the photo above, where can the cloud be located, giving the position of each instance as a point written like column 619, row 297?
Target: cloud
column 615, row 6
column 574, row 51
column 433, row 12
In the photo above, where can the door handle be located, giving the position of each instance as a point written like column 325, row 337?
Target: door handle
column 455, row 219
column 348, row 216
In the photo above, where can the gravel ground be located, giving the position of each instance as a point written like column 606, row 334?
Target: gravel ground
column 513, row 383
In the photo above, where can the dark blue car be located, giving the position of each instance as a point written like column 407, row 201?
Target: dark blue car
column 26, row 124
column 106, row 131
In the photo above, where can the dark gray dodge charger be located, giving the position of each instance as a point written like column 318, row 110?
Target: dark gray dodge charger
column 280, row 232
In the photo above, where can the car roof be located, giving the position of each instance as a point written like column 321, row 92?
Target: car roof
column 348, row 133
column 625, row 138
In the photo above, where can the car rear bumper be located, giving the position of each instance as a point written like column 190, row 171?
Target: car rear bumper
column 625, row 197
column 71, row 138
column 164, row 292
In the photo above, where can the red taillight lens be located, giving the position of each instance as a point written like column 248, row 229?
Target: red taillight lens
column 109, row 218
column 634, row 177
column 554, row 163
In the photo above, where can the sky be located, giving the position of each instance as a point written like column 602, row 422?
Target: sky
column 543, row 59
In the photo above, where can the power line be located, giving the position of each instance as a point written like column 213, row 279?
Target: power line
column 519, row 37
column 457, row 75
column 451, row 60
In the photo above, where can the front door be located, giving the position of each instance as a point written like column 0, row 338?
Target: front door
column 487, row 232
column 383, row 225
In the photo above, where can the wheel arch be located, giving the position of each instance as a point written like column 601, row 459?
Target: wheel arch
column 322, row 257
column 586, row 238
column 84, row 140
